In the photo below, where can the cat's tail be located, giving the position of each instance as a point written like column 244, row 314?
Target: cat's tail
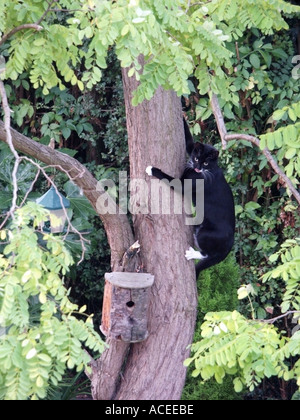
column 189, row 141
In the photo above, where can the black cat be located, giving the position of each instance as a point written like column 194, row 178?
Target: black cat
column 214, row 237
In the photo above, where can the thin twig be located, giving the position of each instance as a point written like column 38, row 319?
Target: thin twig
column 18, row 160
column 200, row 3
column 266, row 152
column 70, row 10
column 71, row 228
column 7, row 216
column 188, row 6
column 31, row 187
column 46, row 12
column 273, row 320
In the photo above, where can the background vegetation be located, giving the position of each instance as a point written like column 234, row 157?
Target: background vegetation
column 90, row 125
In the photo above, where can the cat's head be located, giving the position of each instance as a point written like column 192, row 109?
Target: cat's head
column 203, row 158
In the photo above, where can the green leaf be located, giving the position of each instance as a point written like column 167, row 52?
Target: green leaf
column 39, row 42
column 279, row 114
column 69, row 152
column 187, row 362
column 252, row 205
column 278, row 138
column 5, row 200
column 125, row 30
column 290, row 153
column 131, row 72
column 39, row 382
column 82, row 206
column 238, row 385
column 242, row 293
column 82, row 309
column 80, row 85
column 255, row 61
column 273, row 258
column 195, row 373
column 271, row 142
column 292, row 114
column 66, row 132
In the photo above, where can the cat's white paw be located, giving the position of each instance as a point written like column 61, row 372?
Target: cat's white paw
column 149, row 170
column 191, row 254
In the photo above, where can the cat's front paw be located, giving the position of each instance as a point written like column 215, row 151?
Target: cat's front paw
column 149, row 170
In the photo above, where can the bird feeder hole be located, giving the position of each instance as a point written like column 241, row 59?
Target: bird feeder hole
column 125, row 306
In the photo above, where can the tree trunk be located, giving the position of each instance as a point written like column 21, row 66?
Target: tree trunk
column 154, row 368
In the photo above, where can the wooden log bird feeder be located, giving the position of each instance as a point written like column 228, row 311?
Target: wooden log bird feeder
column 125, row 305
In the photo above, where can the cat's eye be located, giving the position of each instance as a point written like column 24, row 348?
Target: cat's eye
column 196, row 160
column 205, row 163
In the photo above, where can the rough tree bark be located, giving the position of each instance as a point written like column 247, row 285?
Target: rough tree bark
column 154, row 369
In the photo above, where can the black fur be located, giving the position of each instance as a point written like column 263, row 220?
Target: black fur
column 215, row 236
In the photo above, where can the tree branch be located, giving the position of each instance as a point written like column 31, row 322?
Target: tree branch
column 266, row 152
column 34, row 26
column 273, row 320
column 117, row 226
column 219, row 119
column 46, row 12
column 252, row 139
column 18, row 159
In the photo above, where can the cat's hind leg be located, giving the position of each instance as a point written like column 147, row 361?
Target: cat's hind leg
column 191, row 254
column 149, row 170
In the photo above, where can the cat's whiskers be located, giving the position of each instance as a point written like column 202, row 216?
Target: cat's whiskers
column 207, row 175
column 190, row 164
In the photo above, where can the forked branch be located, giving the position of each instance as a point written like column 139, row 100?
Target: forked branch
column 225, row 137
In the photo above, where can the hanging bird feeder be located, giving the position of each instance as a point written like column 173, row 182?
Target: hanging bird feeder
column 57, row 204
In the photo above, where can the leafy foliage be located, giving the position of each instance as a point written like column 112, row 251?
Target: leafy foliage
column 233, row 345
column 216, row 292
column 289, row 271
column 240, row 59
column 252, row 350
column 286, row 139
column 175, row 39
column 40, row 336
column 25, row 177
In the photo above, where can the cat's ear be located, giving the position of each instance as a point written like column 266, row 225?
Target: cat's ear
column 215, row 154
column 199, row 147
